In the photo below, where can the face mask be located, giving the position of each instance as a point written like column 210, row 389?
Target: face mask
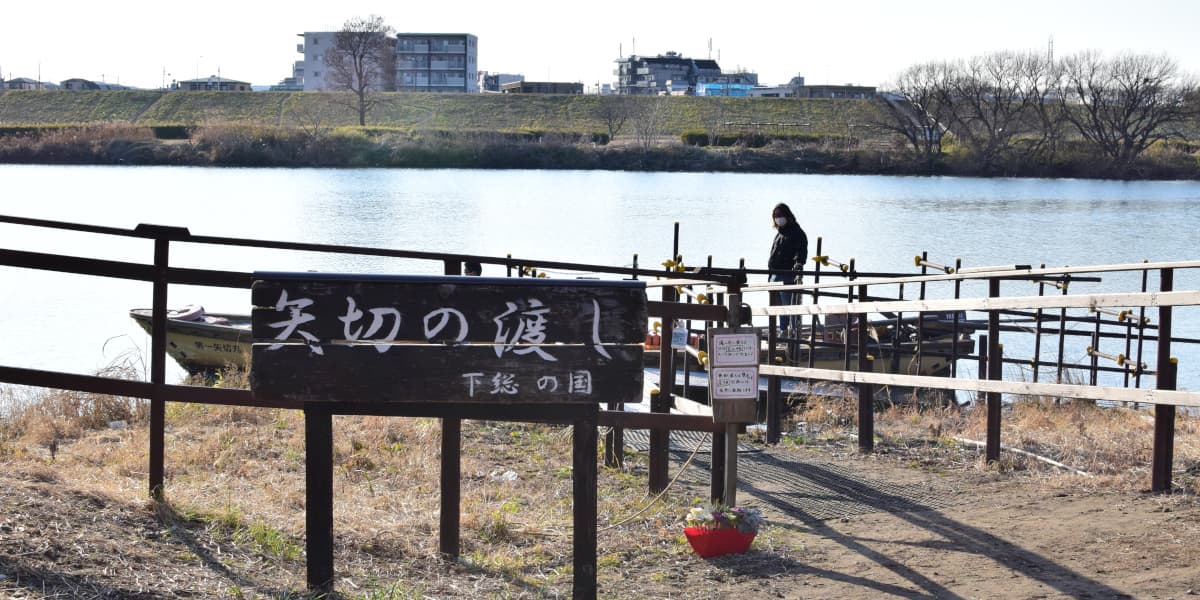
column 781, row 221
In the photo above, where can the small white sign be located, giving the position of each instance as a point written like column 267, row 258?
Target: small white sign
column 734, row 382
column 734, row 349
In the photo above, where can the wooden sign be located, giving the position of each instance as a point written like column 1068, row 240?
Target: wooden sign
column 733, row 374
column 365, row 338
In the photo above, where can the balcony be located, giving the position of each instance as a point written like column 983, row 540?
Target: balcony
column 449, row 48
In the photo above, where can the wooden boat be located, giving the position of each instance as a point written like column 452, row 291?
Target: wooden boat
column 200, row 341
column 892, row 346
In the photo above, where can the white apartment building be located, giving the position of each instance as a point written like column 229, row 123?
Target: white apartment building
column 425, row 62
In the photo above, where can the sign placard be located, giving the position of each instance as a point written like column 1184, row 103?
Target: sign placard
column 733, row 373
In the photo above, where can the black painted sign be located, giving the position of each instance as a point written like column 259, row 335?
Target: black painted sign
column 334, row 337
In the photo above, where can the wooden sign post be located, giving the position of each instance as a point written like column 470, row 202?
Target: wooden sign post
column 733, row 390
column 450, row 347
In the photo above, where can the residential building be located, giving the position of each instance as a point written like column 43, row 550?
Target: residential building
column 541, row 87
column 25, row 83
column 424, row 62
column 491, row 82
column 437, row 62
column 295, row 83
column 314, row 74
column 648, row 75
column 212, row 83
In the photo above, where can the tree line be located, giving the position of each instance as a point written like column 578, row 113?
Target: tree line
column 1006, row 110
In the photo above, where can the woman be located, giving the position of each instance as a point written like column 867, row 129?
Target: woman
column 788, row 254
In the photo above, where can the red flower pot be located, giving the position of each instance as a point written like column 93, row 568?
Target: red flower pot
column 716, row 542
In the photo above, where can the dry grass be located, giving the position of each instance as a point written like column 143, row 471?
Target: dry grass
column 1112, row 445
column 232, row 524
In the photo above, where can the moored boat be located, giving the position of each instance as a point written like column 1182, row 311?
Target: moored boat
column 200, row 341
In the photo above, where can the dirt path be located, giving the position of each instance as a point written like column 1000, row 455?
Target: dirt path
column 839, row 526
column 870, row 528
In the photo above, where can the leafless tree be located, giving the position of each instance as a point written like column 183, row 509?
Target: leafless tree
column 615, row 111
column 362, row 62
column 714, row 114
column 648, row 118
column 1124, row 104
column 913, row 108
column 991, row 99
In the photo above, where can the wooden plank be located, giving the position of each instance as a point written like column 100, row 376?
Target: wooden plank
column 1151, row 299
column 435, row 373
column 1050, row 390
column 695, row 312
column 658, row 421
column 449, row 309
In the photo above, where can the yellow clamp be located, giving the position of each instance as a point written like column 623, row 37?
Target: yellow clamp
column 668, row 263
column 702, row 357
column 657, row 326
column 702, row 299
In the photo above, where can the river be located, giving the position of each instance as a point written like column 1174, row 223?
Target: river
column 80, row 324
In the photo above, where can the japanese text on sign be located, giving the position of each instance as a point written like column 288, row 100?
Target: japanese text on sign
column 735, row 382
column 729, row 349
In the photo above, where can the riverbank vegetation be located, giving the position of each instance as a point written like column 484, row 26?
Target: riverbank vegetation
column 1002, row 114
column 233, row 521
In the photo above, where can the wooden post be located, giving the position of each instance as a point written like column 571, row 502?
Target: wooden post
column 716, row 485
column 774, row 408
column 451, row 471
column 660, row 439
column 1164, row 415
column 866, row 400
column 451, row 501
column 1164, row 431
column 731, row 431
column 318, row 498
column 584, row 476
column 994, row 373
column 158, row 367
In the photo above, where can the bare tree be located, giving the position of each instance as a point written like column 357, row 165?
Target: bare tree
column 362, row 61
column 648, row 120
column 914, row 109
column 714, row 116
column 1125, row 104
column 991, row 99
column 615, row 111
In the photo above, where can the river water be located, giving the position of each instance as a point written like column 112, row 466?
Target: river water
column 80, row 324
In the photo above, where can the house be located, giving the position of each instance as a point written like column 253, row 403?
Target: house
column 423, row 62
column 541, row 87
column 212, row 83
column 25, row 83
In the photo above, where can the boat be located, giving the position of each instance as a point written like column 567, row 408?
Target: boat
column 202, row 342
column 892, row 345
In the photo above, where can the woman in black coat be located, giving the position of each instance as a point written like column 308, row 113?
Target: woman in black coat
column 789, row 252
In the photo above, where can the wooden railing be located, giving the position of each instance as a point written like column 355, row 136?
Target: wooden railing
column 859, row 303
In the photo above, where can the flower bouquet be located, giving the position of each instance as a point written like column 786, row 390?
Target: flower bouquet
column 717, row 530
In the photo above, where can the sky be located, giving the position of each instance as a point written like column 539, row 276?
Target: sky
column 866, row 42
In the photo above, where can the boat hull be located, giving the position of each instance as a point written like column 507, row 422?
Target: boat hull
column 200, row 346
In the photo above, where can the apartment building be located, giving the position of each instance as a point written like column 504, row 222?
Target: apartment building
column 424, row 62
column 662, row 74
column 437, row 62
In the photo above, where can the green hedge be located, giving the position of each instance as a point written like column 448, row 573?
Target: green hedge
column 754, row 139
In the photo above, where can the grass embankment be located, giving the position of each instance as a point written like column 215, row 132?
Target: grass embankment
column 297, row 129
column 75, row 520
